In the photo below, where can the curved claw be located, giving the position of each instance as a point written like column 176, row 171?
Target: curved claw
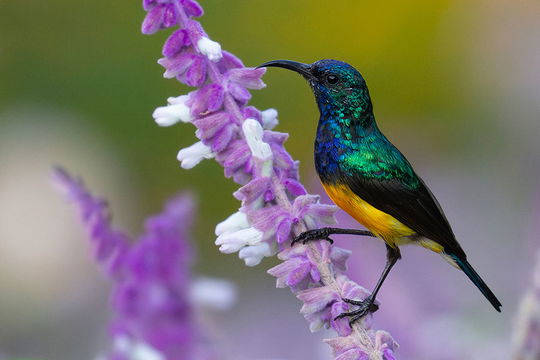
column 355, row 318
column 366, row 306
column 343, row 315
column 352, row 301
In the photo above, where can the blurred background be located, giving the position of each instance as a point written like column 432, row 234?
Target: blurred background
column 455, row 85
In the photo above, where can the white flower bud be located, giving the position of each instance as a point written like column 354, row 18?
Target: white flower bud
column 269, row 118
column 178, row 100
column 252, row 255
column 194, row 154
column 174, row 112
column 233, row 241
column 235, row 222
column 253, row 132
column 209, row 48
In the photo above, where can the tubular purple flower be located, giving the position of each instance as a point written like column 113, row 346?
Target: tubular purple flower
column 196, row 73
column 192, row 8
column 239, row 93
column 176, row 65
column 170, row 17
column 153, row 20
column 275, row 206
column 229, row 61
column 206, row 100
column 209, row 125
column 151, row 296
column 246, row 77
column 176, row 42
column 254, row 190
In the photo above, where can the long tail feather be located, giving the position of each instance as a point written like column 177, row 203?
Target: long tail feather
column 477, row 280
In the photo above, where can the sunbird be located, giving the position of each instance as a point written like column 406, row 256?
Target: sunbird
column 368, row 177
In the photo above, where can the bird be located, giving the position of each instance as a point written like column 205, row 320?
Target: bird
column 369, row 178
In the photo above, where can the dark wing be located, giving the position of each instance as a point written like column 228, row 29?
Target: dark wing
column 415, row 207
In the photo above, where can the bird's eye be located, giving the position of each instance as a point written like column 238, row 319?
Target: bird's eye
column 332, row 79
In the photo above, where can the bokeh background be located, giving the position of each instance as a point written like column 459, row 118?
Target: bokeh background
column 455, row 85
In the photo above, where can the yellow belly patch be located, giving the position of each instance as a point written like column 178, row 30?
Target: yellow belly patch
column 385, row 226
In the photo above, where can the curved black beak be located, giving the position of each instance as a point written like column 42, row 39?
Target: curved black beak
column 303, row 69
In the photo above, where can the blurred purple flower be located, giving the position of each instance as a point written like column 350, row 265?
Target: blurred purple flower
column 153, row 311
column 110, row 245
column 275, row 205
column 527, row 329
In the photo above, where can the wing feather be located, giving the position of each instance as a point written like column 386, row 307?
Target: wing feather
column 416, row 208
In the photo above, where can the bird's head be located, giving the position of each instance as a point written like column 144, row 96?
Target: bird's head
column 332, row 81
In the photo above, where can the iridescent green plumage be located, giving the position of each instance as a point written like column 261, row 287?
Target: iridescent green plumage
column 348, row 141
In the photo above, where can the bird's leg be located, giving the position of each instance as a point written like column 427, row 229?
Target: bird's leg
column 324, row 233
column 368, row 304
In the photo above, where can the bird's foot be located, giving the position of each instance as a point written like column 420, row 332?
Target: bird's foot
column 365, row 307
column 310, row 235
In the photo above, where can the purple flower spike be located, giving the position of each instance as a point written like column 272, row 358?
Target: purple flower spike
column 152, row 291
column 275, row 206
